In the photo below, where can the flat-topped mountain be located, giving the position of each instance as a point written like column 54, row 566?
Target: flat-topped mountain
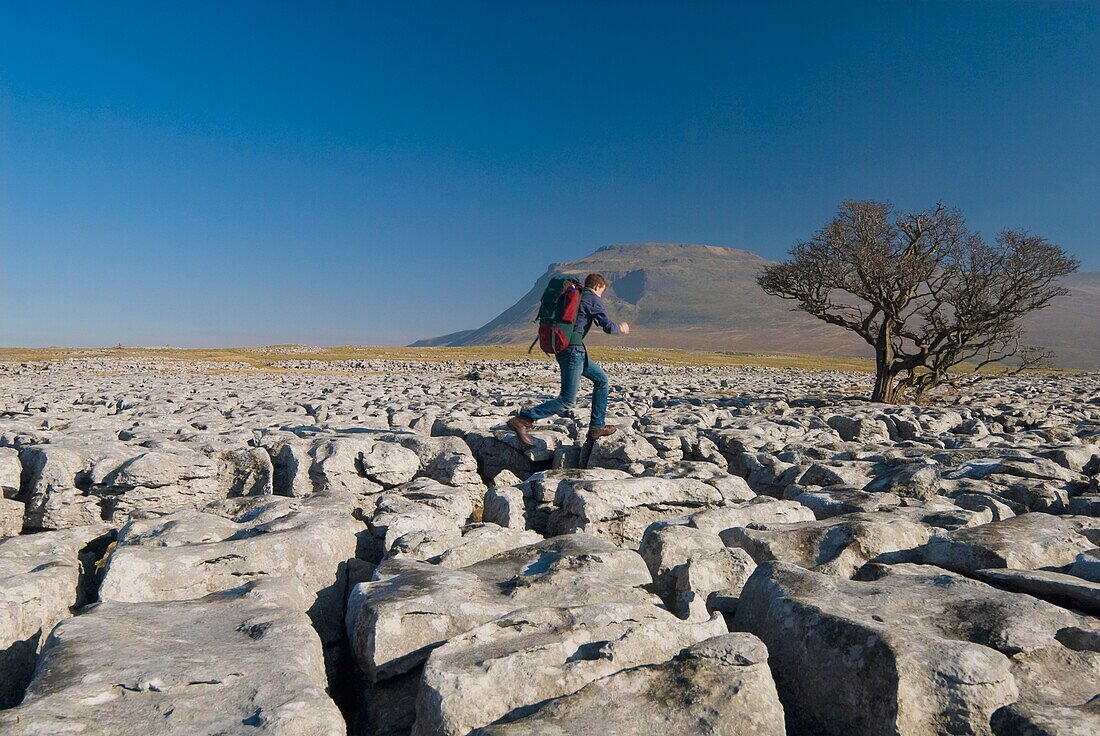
column 705, row 297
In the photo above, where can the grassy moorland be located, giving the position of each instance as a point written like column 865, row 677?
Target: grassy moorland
column 263, row 358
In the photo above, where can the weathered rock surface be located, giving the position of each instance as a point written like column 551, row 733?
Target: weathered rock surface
column 836, row 546
column 720, row 686
column 187, row 555
column 50, row 493
column 516, row 662
column 11, row 471
column 851, row 657
column 763, row 510
column 413, row 522
column 1087, row 566
column 621, row 510
column 40, row 585
column 411, row 607
column 11, row 517
column 506, row 506
column 1067, row 590
column 667, row 547
column 1026, row 542
column 481, row 541
column 423, row 506
column 826, row 503
column 710, row 582
column 242, row 661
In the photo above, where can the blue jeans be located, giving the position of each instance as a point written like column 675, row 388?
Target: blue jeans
column 574, row 364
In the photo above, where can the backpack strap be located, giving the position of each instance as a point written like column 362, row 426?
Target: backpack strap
column 576, row 339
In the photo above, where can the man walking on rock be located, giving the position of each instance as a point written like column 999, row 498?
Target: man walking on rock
column 575, row 363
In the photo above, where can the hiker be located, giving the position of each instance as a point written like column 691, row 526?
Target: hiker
column 575, row 363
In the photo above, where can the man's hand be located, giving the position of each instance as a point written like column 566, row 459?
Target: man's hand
column 624, row 328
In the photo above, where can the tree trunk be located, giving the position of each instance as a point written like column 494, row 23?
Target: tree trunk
column 884, row 366
column 885, row 391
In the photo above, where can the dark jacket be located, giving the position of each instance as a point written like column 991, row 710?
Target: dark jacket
column 591, row 312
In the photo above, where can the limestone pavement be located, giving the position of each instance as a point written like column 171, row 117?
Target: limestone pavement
column 363, row 547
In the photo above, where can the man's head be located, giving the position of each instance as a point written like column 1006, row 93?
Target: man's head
column 596, row 282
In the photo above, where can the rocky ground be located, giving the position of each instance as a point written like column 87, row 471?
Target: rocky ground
column 199, row 548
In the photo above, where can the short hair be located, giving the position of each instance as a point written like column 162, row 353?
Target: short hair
column 594, row 281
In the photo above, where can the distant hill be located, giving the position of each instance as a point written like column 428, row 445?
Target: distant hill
column 1070, row 326
column 705, row 297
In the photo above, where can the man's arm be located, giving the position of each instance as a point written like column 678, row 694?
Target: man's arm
column 599, row 316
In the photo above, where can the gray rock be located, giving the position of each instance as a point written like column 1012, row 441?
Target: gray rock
column 864, row 429
column 979, row 501
column 850, row 657
column 10, row 472
column 621, row 510
column 290, row 466
column 707, row 574
column 620, row 451
column 506, row 478
column 129, row 436
column 542, row 487
column 170, row 557
column 505, row 506
column 444, row 459
column 482, row 541
column 720, row 686
column 40, row 582
column 242, row 661
column 52, row 498
column 1020, row 467
column 762, row 510
column 910, row 480
column 161, row 468
column 1087, row 566
column 11, row 517
column 1054, row 653
column 388, row 707
column 733, row 488
column 567, row 457
column 497, row 448
column 409, row 608
column 667, row 547
column 767, row 475
column 1026, row 542
column 1026, row 719
column 336, row 465
column 423, row 544
column 412, row 607
column 1077, row 458
column 389, row 464
column 519, row 661
column 825, row 503
column 856, row 475
column 1087, row 504
column 1052, row 497
column 172, row 477
column 424, row 505
column 1055, row 587
column 837, row 546
column 249, row 472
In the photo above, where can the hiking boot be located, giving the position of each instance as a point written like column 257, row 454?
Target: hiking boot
column 520, row 424
column 601, row 432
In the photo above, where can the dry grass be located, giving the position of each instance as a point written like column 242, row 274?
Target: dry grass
column 263, row 360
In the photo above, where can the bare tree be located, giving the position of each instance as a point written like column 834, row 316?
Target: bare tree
column 925, row 292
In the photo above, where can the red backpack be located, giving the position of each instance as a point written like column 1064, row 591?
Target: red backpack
column 557, row 312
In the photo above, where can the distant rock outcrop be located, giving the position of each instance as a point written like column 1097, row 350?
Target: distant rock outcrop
column 705, row 297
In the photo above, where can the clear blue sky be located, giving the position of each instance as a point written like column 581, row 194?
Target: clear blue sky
column 230, row 173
